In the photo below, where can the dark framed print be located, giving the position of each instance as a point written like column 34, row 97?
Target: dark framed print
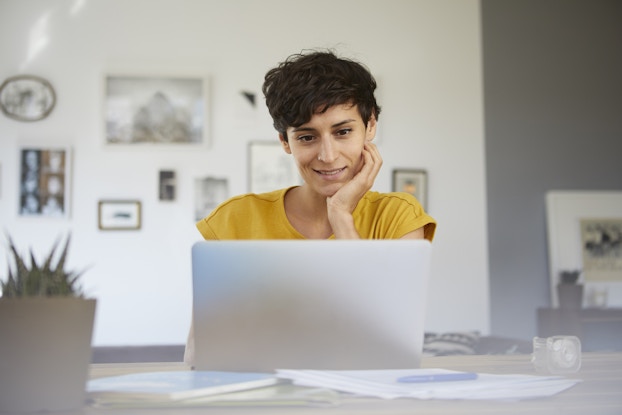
column 44, row 181
column 167, row 185
column 270, row 167
column 413, row 181
column 155, row 110
column 27, row 98
column 119, row 215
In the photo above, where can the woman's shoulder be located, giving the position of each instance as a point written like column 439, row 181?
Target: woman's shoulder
column 251, row 198
column 390, row 197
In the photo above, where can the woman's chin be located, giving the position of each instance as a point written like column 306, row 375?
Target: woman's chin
column 328, row 191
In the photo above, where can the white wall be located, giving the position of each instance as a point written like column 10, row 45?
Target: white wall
column 426, row 55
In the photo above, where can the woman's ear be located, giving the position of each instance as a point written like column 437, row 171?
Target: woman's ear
column 370, row 133
column 285, row 144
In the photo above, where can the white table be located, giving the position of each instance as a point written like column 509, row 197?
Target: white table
column 600, row 392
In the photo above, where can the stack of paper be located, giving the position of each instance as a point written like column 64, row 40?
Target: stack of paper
column 384, row 384
column 202, row 388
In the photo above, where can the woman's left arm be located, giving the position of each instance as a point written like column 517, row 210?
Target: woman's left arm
column 416, row 234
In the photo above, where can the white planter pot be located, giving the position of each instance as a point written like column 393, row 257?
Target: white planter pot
column 45, row 352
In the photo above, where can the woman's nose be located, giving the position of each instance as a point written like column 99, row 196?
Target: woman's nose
column 327, row 152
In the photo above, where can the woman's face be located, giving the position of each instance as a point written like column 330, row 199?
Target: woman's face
column 328, row 149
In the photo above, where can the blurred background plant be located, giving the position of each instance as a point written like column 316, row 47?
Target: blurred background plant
column 45, row 279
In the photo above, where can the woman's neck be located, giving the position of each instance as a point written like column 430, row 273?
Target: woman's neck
column 306, row 212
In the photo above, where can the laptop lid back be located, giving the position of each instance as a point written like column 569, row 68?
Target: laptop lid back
column 309, row 304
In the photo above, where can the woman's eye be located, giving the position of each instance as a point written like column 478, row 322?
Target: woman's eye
column 344, row 131
column 305, row 138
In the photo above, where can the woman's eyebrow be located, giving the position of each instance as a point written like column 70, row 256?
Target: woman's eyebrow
column 339, row 124
column 302, row 128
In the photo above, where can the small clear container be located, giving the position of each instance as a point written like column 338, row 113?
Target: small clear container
column 556, row 355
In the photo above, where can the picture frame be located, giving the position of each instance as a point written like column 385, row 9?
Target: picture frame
column 209, row 192
column 601, row 247
column 119, row 215
column 44, row 181
column 156, row 110
column 167, row 185
column 270, row 167
column 412, row 181
column 565, row 213
column 27, row 98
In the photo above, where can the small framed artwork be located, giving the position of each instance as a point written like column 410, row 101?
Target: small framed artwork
column 209, row 192
column 167, row 185
column 27, row 98
column 413, row 181
column 44, row 181
column 270, row 167
column 119, row 215
column 152, row 110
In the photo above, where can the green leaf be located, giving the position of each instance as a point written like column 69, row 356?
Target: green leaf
column 49, row 279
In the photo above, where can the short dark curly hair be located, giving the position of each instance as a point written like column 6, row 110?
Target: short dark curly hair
column 309, row 83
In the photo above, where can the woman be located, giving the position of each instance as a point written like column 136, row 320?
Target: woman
column 325, row 113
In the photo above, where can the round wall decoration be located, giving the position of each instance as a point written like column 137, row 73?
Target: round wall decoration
column 27, row 98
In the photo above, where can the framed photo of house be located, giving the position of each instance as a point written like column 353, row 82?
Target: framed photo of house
column 413, row 181
column 156, row 110
column 44, row 181
column 119, row 215
column 270, row 167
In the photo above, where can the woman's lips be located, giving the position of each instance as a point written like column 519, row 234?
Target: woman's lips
column 332, row 174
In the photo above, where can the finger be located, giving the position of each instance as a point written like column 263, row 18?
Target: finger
column 376, row 158
column 369, row 169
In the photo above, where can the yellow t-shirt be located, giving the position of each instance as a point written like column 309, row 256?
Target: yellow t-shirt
column 262, row 216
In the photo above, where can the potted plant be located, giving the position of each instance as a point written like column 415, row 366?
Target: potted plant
column 46, row 328
column 569, row 291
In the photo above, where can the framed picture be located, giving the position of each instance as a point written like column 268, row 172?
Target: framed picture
column 44, row 181
column 601, row 245
column 209, row 192
column 152, row 110
column 270, row 167
column 582, row 230
column 167, row 185
column 27, row 98
column 119, row 215
column 413, row 181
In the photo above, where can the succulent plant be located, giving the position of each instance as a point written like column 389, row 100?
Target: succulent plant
column 569, row 276
column 45, row 280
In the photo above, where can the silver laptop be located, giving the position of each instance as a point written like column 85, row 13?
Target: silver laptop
column 309, row 304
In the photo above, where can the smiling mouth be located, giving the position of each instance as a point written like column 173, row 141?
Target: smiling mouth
column 330, row 172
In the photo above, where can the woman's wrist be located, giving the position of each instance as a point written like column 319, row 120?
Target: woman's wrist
column 342, row 224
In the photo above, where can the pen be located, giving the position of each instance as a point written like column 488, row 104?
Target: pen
column 438, row 377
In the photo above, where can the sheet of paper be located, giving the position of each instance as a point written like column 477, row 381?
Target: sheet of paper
column 384, row 384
